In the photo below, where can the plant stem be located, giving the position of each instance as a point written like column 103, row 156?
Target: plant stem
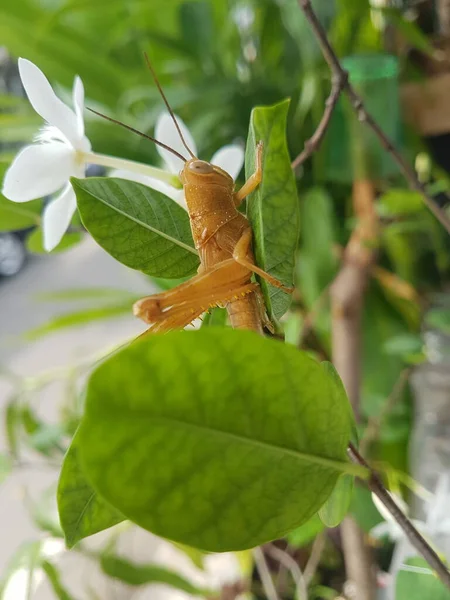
column 420, row 544
column 339, row 74
column 264, row 574
column 113, row 162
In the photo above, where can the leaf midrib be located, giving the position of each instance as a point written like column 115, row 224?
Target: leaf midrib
column 330, row 463
column 141, row 223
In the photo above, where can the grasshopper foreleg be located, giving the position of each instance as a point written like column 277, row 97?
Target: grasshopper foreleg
column 253, row 181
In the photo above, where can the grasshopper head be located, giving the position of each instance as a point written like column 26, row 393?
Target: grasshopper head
column 201, row 172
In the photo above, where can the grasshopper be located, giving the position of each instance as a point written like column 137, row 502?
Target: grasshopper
column 223, row 239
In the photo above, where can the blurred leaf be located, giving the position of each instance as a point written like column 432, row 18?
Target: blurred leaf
column 196, row 556
column 48, row 438
column 5, row 466
column 303, row 535
column 400, row 201
column 135, row 574
column 438, row 318
column 409, row 29
column 26, row 559
column 55, row 580
column 363, row 509
column 292, row 327
column 219, row 512
column 44, row 512
column 403, row 345
column 13, row 418
column 14, row 217
column 216, row 317
column 273, row 209
column 91, row 293
column 81, row 511
column 419, row 585
column 337, row 505
column 138, row 226
column 81, row 317
column 197, row 29
column 35, row 243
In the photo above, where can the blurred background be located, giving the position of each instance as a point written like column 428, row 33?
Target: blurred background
column 60, row 313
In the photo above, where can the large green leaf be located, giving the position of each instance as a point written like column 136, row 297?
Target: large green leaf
column 135, row 574
column 81, row 511
column 420, row 585
column 273, row 209
column 138, row 226
column 219, row 439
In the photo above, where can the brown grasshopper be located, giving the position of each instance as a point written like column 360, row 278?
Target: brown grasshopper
column 223, row 238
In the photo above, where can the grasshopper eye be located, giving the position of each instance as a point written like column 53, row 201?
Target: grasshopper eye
column 201, row 166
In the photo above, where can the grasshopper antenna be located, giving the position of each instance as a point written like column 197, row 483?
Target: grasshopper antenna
column 144, row 135
column 158, row 85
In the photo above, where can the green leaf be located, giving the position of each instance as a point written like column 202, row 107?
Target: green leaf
column 55, row 581
column 138, row 226
column 439, row 318
column 419, row 585
column 363, row 509
column 400, row 202
column 409, row 29
column 80, row 317
column 90, row 293
column 5, row 467
column 338, row 504
column 134, row 574
column 197, row 28
column 216, row 317
column 305, row 534
column 28, row 558
column 273, row 208
column 35, row 243
column 203, row 436
column 15, row 217
column 81, row 511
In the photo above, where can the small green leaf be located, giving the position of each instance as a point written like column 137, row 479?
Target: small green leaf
column 216, row 317
column 400, row 202
column 134, row 574
column 81, row 511
column 5, row 467
column 138, row 226
column 273, row 208
column 203, row 436
column 338, row 504
column 14, row 217
column 420, row 585
column 305, row 534
column 35, row 243
column 80, row 317
column 55, row 581
column 438, row 318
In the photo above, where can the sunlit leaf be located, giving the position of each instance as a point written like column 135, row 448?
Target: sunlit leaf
column 278, row 452
column 138, row 226
column 273, row 209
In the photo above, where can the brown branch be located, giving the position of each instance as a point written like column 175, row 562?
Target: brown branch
column 376, row 486
column 339, row 73
column 315, row 140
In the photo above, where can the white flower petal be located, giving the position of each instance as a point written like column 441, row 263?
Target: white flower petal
column 160, row 186
column 39, row 170
column 57, row 216
column 78, row 104
column 166, row 132
column 45, row 102
column 230, row 159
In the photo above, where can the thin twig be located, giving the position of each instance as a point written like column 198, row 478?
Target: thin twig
column 339, row 73
column 376, row 486
column 313, row 144
column 264, row 574
column 314, row 558
column 291, row 565
column 374, row 423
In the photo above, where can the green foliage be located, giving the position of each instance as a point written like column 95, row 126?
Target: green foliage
column 134, row 574
column 303, row 535
column 35, row 243
column 138, row 226
column 421, row 584
column 82, row 511
column 273, row 209
column 193, row 496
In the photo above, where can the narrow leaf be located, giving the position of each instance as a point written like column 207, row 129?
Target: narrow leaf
column 203, row 436
column 55, row 581
column 134, row 574
column 273, row 209
column 419, row 582
column 81, row 511
column 138, row 226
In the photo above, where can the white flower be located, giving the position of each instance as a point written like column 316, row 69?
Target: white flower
column 230, row 158
column 45, row 166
